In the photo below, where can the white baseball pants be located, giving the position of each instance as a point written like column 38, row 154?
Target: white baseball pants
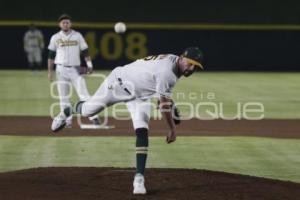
column 111, row 91
column 34, row 55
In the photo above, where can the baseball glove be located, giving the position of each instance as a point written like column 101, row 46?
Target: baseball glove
column 175, row 112
column 83, row 70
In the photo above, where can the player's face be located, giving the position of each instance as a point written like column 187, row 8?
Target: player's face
column 65, row 25
column 186, row 67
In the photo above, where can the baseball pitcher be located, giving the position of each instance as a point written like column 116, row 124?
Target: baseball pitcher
column 135, row 84
column 65, row 48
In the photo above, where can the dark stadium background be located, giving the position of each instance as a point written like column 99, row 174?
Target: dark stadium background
column 265, row 36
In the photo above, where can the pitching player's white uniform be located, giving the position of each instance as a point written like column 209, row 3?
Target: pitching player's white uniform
column 67, row 60
column 33, row 46
column 135, row 84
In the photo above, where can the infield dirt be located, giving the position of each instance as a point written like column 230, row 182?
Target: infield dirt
column 112, row 183
column 40, row 126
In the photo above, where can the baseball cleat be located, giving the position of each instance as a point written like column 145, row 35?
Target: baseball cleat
column 58, row 123
column 96, row 121
column 138, row 184
column 69, row 122
column 68, row 125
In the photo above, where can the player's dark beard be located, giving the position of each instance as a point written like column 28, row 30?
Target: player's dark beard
column 177, row 70
column 187, row 72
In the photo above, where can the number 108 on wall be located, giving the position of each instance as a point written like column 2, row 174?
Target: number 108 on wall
column 112, row 46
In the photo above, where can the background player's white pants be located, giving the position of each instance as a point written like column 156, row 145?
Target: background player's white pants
column 111, row 92
column 34, row 55
column 66, row 77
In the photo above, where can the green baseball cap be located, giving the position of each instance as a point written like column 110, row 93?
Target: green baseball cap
column 64, row 16
column 194, row 56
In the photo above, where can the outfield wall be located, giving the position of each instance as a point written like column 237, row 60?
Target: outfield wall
column 204, row 11
column 225, row 46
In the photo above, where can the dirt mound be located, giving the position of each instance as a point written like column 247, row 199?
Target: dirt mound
column 110, row 183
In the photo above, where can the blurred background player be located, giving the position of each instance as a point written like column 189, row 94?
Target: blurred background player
column 65, row 48
column 33, row 47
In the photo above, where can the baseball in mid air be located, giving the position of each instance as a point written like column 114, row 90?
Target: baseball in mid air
column 120, row 27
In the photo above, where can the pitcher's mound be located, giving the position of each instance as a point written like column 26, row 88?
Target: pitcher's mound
column 112, row 183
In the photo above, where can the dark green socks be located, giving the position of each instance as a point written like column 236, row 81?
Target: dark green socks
column 68, row 111
column 78, row 107
column 141, row 149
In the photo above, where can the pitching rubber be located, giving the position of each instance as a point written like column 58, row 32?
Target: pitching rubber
column 92, row 126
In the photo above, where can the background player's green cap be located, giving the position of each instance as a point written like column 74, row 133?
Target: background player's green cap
column 64, row 16
column 194, row 56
